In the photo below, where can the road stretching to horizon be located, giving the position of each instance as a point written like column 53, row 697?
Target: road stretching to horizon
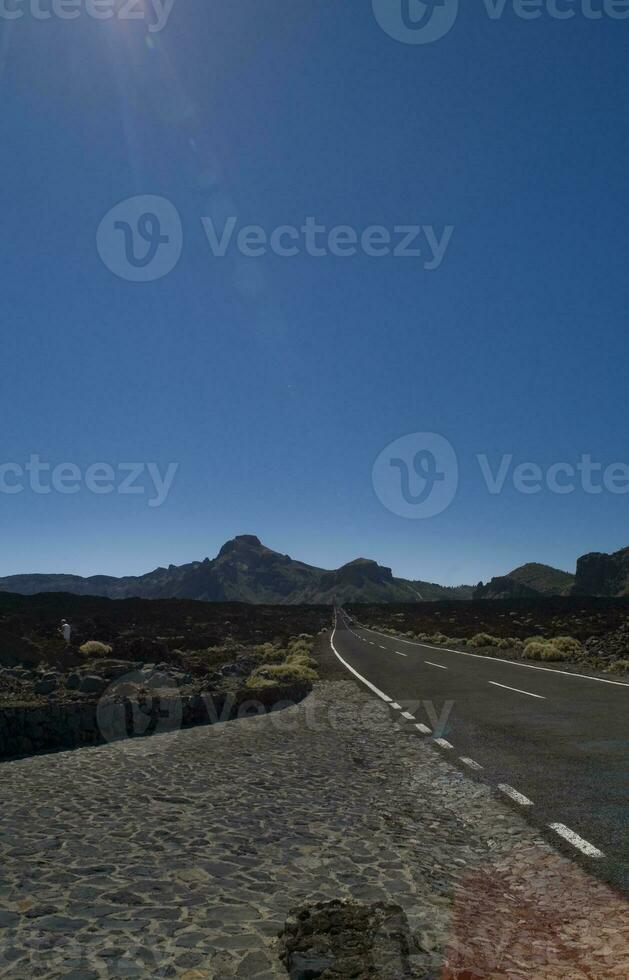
column 553, row 742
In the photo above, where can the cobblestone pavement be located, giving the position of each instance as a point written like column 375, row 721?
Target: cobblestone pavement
column 181, row 855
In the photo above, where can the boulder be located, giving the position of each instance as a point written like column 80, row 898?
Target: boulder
column 46, row 685
column 91, row 684
column 112, row 669
column 348, row 939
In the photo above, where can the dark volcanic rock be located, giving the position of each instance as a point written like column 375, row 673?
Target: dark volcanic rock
column 612, row 646
column 144, row 649
column 15, row 650
column 603, row 575
column 92, row 684
column 347, row 939
column 46, row 685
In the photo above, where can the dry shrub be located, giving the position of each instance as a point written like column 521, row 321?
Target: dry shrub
column 94, row 648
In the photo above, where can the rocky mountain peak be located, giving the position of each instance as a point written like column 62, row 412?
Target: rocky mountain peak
column 241, row 543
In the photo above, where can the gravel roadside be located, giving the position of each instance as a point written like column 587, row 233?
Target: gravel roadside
column 183, row 854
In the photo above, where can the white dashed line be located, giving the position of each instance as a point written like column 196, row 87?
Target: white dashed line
column 502, row 660
column 443, row 743
column 395, row 706
column 424, row 729
column 469, row 762
column 517, row 690
column 407, row 714
column 430, row 664
column 401, row 654
column 576, row 841
column 381, row 647
column 514, row 795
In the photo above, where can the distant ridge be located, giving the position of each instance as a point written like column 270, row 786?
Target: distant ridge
column 246, row 571
column 527, row 581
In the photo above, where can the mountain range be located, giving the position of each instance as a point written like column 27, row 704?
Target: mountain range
column 246, row 571
column 597, row 574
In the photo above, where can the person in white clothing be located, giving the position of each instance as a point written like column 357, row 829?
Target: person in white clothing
column 66, row 630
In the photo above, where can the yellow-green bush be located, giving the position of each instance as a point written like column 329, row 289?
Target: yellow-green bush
column 620, row 666
column 535, row 649
column 286, row 673
column 94, row 648
column 270, row 654
column 554, row 653
column 285, row 665
column 303, row 659
column 299, row 646
column 544, row 650
column 567, row 644
column 484, row 640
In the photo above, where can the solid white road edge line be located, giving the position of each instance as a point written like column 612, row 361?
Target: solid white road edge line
column 372, row 687
column 513, row 793
column 470, row 762
column 430, row 664
column 584, row 846
column 517, row 690
column 499, row 660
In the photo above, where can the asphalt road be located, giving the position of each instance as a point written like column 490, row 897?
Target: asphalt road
column 555, row 744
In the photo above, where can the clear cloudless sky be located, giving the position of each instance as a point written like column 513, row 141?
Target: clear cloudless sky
column 275, row 382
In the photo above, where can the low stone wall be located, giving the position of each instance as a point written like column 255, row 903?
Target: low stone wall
column 27, row 729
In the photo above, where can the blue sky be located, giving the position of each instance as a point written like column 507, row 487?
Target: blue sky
column 275, row 382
